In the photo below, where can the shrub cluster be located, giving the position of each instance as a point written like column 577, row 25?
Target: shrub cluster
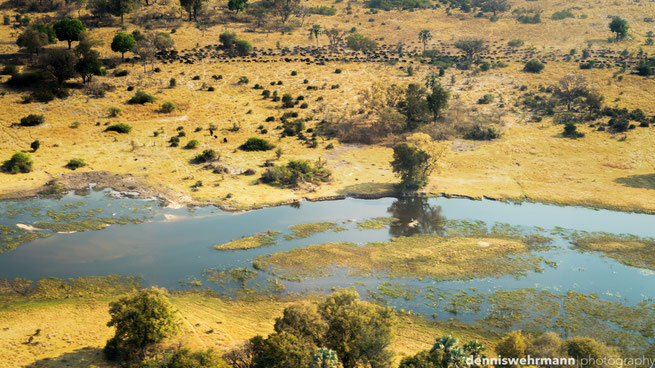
column 296, row 172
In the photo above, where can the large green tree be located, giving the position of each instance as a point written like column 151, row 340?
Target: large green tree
column 237, row 5
column 412, row 165
column 359, row 332
column 69, row 30
column 61, row 64
column 123, row 42
column 281, row 350
column 424, row 36
column 141, row 321
column 620, row 27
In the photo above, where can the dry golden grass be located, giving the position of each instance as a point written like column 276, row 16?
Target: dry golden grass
column 528, row 162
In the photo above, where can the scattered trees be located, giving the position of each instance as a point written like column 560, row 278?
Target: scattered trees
column 61, row 64
column 69, row 30
column 123, row 42
column 493, row 6
column 140, row 321
column 620, row 27
column 334, row 35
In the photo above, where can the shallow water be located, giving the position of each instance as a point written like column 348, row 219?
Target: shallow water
column 174, row 245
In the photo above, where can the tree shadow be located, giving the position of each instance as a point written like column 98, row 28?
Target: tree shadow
column 83, row 357
column 638, row 181
column 415, row 216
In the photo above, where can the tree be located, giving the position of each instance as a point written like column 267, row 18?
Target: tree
column 88, row 65
column 334, row 35
column 18, row 163
column 314, row 32
column 471, row 48
column 32, row 40
column 302, row 321
column 587, row 348
column 48, row 30
column 437, row 99
column 119, row 8
column 237, row 5
column 513, row 345
column 359, row 332
column 163, row 41
column 227, row 40
column 415, row 106
column 285, row 8
column 281, row 350
column 413, row 165
column 192, row 7
column 69, row 30
column 493, row 6
column 141, row 321
column 61, row 64
column 571, row 88
column 123, row 42
column 241, row 356
column 424, row 36
column 620, row 27
column 146, row 50
column 548, row 344
column 184, row 358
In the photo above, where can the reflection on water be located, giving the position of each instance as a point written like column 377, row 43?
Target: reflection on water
column 415, row 216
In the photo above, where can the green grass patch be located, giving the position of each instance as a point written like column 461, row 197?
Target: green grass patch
column 248, row 242
column 306, row 230
column 376, row 223
column 628, row 249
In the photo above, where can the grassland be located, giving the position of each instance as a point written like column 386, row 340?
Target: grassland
column 376, row 223
column 630, row 250
column 529, row 162
column 300, row 231
column 417, row 256
column 248, row 242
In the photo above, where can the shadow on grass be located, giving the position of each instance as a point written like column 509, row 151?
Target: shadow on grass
column 638, row 181
column 82, row 357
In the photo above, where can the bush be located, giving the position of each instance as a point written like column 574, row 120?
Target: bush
column 485, row 66
column 140, row 97
column 529, row 19
column 75, row 163
column 533, row 66
column 292, row 128
column 486, row 99
column 32, row 120
column 619, row 124
column 296, row 172
column 172, row 83
column 168, row 107
column 287, row 101
column 244, row 80
column 243, row 47
column 562, row 14
column 359, row 42
column 35, row 145
column 323, row 10
column 119, row 128
column 515, row 43
column 114, row 112
column 206, row 156
column 571, row 131
column 19, row 163
column 192, row 144
column 256, row 144
column 478, row 133
column 9, row 69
